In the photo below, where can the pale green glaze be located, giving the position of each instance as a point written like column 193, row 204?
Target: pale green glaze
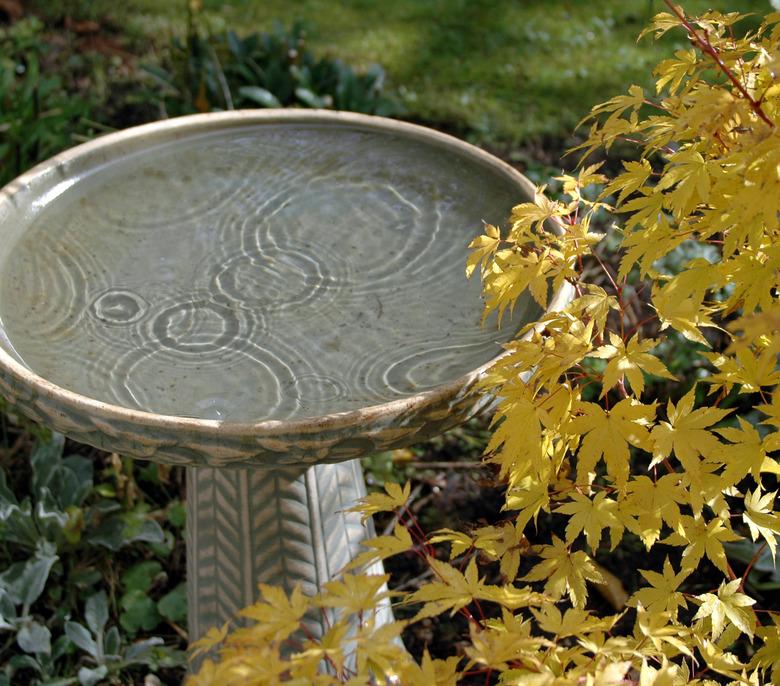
column 266, row 272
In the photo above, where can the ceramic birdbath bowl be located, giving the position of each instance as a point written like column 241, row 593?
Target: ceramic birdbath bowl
column 263, row 297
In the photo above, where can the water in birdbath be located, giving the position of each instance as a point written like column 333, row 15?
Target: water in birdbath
column 267, row 272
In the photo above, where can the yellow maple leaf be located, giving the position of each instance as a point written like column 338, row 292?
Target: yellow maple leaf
column 629, row 360
column 568, row 342
column 631, row 180
column 754, row 274
column 573, row 186
column 451, row 591
column 702, row 538
column 482, row 247
column 767, row 657
column 608, row 673
column 210, row 640
column 355, row 592
column 534, row 214
column 746, row 454
column 760, row 518
column 660, row 24
column 721, row 661
column 683, row 312
column 608, row 434
column 393, row 498
column 660, row 628
column 430, row 672
column 648, row 504
column 758, row 326
column 772, row 411
column 564, row 571
column 749, row 369
column 382, row 547
column 505, row 543
column 459, row 542
column 511, row 597
column 512, row 273
column 573, row 622
column 686, row 433
column 530, row 496
column 330, row 647
column 377, row 651
column 519, row 408
column 672, row 72
column 704, row 485
column 644, row 209
column 591, row 516
column 277, row 614
column 688, row 173
column 662, row 595
column 620, row 104
column 509, row 640
column 730, row 604
column 595, row 306
column 668, row 674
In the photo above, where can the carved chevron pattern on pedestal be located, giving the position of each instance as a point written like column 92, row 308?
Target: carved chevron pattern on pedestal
column 281, row 526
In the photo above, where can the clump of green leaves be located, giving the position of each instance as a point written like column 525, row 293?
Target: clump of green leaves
column 56, row 539
column 693, row 479
column 38, row 118
column 207, row 71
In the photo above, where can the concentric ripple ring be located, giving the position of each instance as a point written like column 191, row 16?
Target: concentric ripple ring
column 119, row 306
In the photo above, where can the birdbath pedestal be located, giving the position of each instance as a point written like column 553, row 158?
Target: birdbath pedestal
column 263, row 297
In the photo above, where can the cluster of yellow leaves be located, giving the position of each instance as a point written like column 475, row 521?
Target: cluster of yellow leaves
column 693, row 477
column 686, row 474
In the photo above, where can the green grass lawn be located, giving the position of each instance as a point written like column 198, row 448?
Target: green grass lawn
column 498, row 71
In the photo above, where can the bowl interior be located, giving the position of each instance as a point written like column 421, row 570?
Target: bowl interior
column 267, row 270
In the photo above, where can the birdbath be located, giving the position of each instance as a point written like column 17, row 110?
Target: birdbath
column 263, row 297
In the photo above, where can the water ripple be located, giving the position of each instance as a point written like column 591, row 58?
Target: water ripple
column 258, row 273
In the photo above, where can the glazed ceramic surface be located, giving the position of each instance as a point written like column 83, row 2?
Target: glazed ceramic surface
column 267, row 291
column 252, row 288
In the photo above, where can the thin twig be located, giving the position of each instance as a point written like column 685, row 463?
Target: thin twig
column 750, row 566
column 397, row 515
column 465, row 464
column 708, row 49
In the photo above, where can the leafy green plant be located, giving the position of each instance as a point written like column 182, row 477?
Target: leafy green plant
column 104, row 647
column 205, row 72
column 56, row 539
column 38, row 118
column 58, row 13
column 139, row 610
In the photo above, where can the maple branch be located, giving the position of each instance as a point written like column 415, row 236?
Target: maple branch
column 730, row 571
column 641, row 323
column 709, row 49
column 750, row 566
column 443, row 464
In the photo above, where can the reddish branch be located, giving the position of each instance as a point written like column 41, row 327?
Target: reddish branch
column 750, row 566
column 708, row 49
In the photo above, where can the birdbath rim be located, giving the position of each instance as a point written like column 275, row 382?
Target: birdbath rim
column 28, row 389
